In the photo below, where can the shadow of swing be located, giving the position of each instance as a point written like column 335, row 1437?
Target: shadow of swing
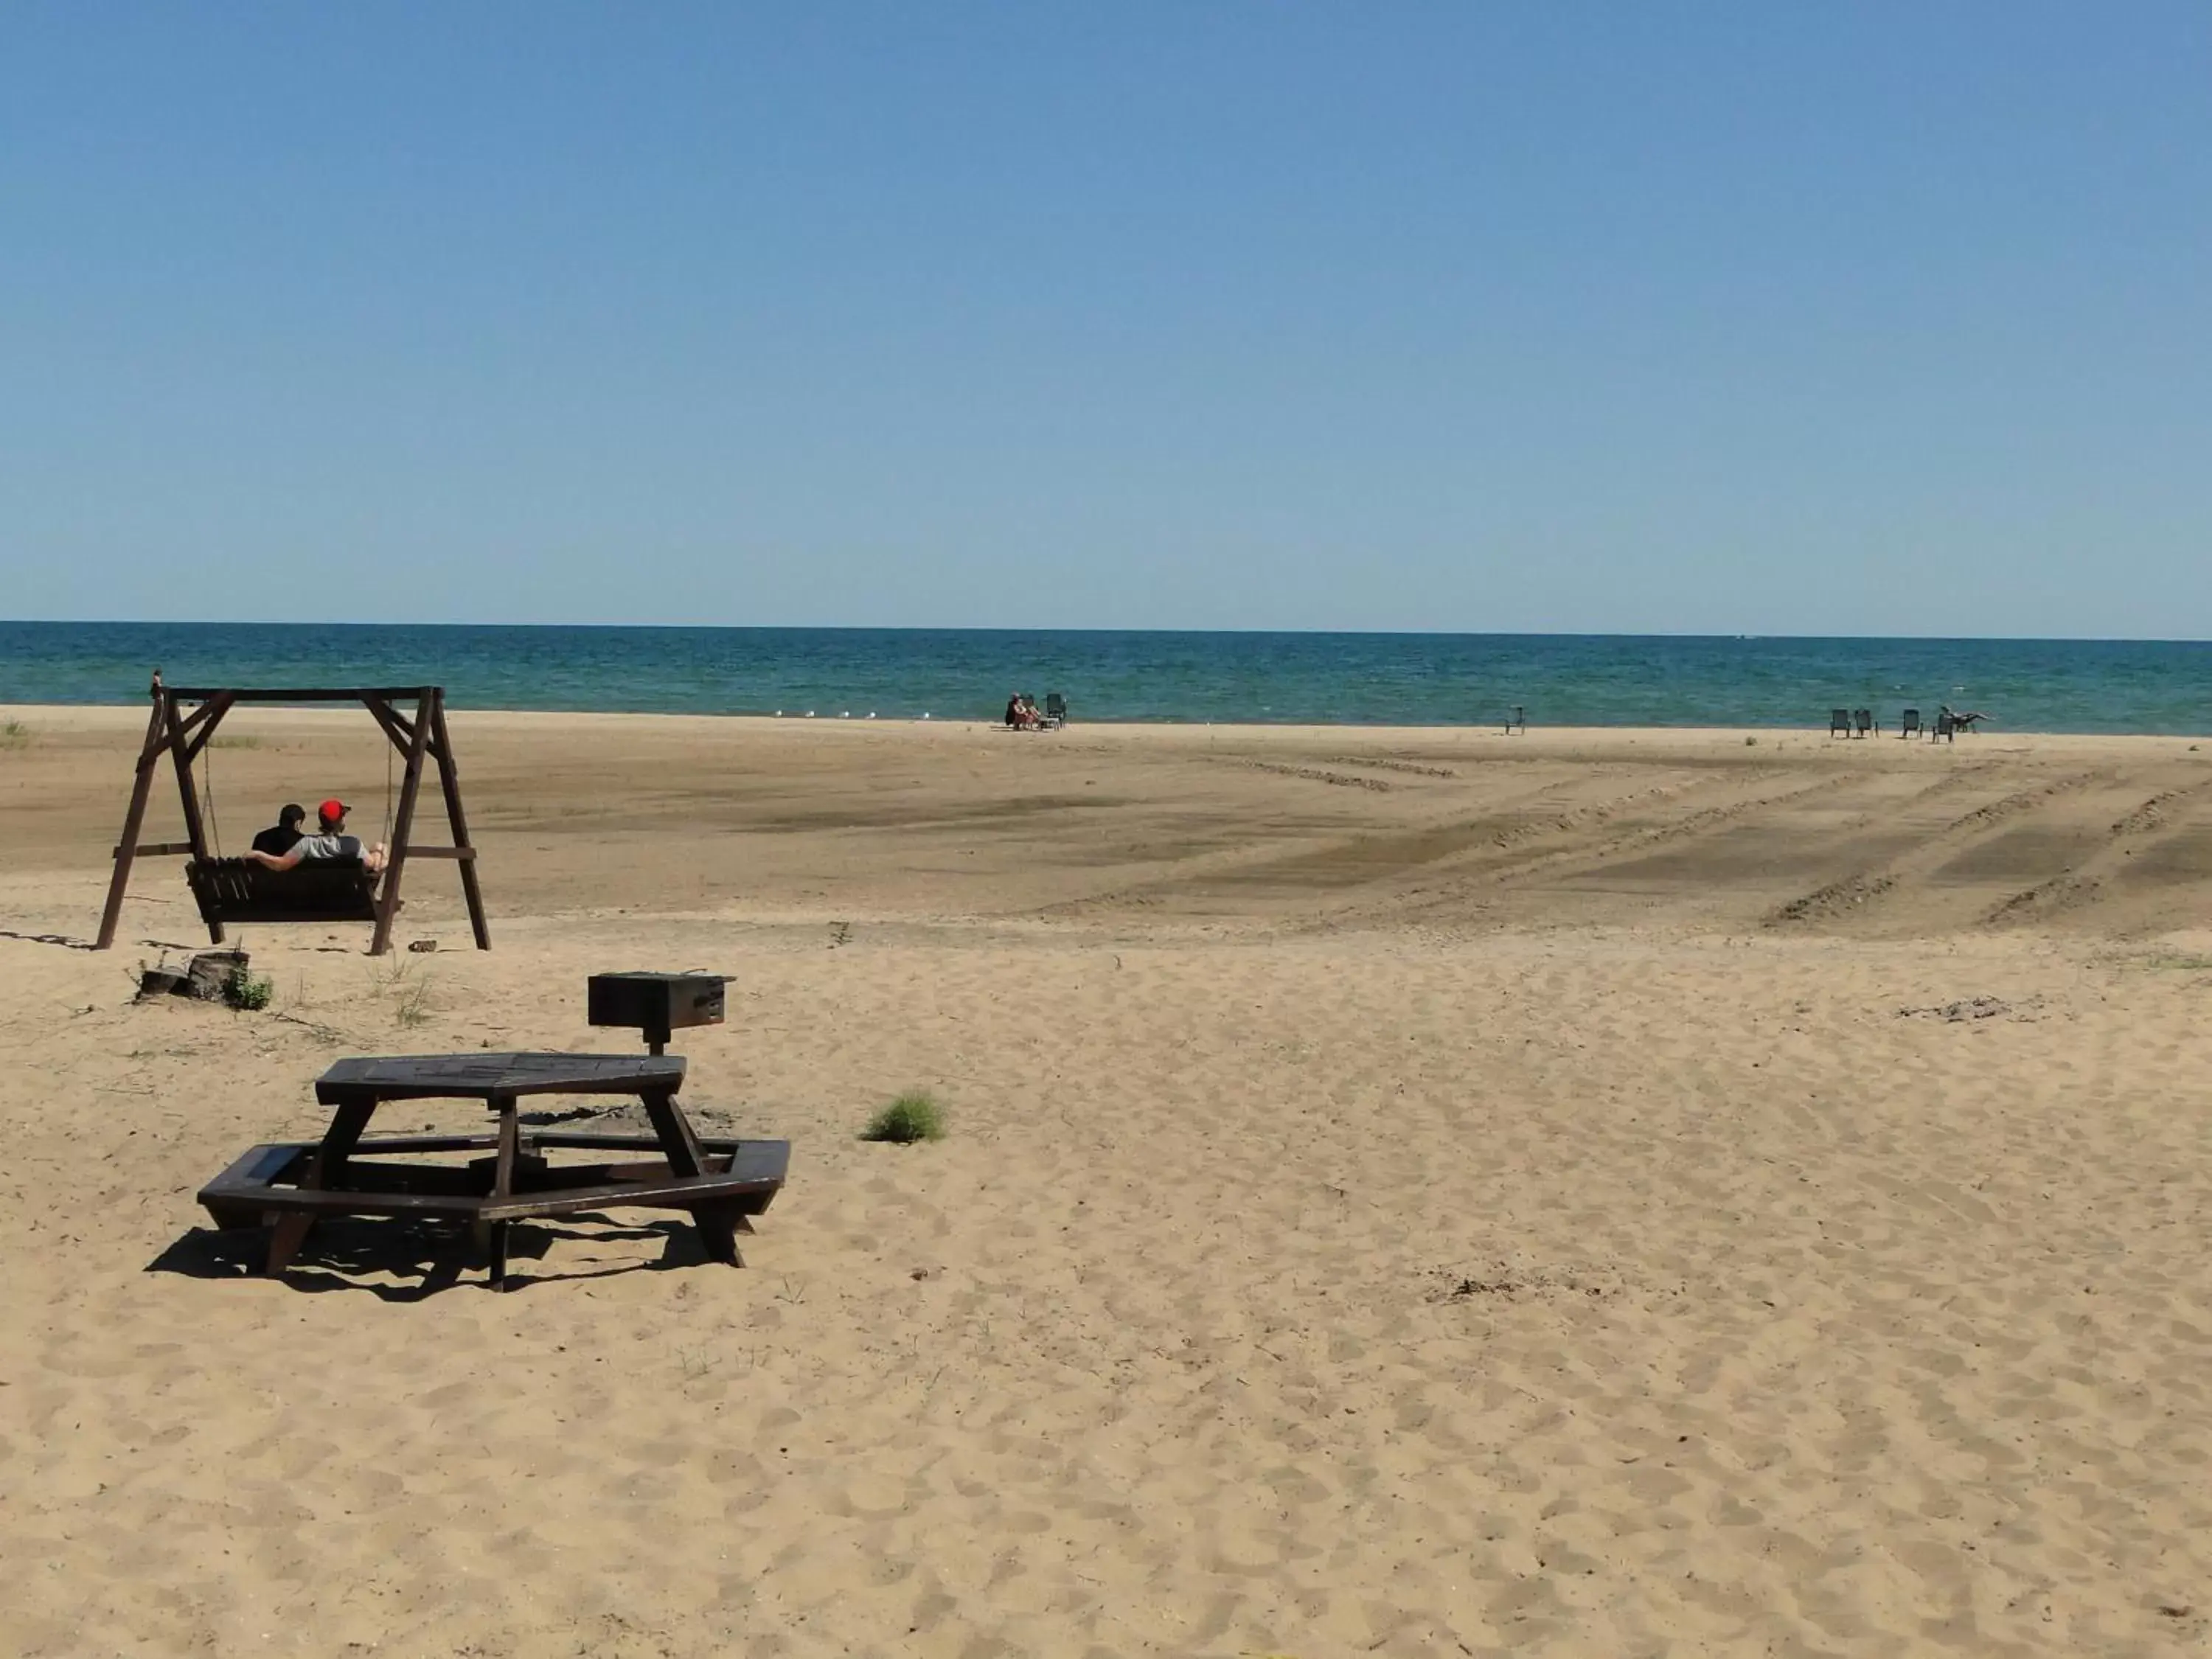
column 62, row 939
column 427, row 1256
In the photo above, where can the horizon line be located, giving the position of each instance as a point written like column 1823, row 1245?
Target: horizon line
column 1325, row 633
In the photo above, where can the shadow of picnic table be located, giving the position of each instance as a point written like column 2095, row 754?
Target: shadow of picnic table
column 360, row 1253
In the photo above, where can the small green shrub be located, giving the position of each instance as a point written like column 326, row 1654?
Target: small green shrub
column 250, row 991
column 915, row 1116
column 14, row 734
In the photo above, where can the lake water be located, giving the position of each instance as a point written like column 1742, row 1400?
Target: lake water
column 1410, row 679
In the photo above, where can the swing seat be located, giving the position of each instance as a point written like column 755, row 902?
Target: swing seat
column 242, row 890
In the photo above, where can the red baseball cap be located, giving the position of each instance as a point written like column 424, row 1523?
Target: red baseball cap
column 332, row 808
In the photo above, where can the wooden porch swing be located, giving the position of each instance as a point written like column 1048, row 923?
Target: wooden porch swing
column 239, row 891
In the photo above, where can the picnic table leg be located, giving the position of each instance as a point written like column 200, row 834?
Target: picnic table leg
column 497, row 1256
column 503, row 1186
column 717, row 1226
column 323, row 1171
column 713, row 1220
column 285, row 1238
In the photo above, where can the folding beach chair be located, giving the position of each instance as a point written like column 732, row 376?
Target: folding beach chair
column 1910, row 726
column 1839, row 720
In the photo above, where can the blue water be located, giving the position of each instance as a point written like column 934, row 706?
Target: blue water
column 1412, row 679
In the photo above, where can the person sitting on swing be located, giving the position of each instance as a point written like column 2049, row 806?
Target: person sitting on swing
column 282, row 836
column 332, row 845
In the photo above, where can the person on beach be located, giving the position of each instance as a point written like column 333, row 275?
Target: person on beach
column 330, row 846
column 282, row 836
column 1021, row 713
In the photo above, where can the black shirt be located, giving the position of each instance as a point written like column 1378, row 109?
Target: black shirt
column 276, row 841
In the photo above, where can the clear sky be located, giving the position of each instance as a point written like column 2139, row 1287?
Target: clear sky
column 1761, row 318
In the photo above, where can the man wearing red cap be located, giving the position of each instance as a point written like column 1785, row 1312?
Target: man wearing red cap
column 330, row 846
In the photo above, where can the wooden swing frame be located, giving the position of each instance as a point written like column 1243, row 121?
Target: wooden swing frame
column 421, row 736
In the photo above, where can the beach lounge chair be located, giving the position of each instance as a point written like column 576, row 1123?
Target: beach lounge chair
column 1055, row 709
column 1910, row 726
column 1863, row 719
column 1839, row 720
column 1945, row 728
column 1517, row 718
column 242, row 890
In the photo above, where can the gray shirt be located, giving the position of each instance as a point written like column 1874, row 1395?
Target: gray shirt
column 328, row 848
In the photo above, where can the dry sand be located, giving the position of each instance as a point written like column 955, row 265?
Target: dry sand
column 1412, row 1193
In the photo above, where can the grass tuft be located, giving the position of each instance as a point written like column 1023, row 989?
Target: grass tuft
column 414, row 1004
column 14, row 734
column 915, row 1116
column 250, row 991
column 408, row 986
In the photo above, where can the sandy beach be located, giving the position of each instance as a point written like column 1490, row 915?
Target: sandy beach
column 1422, row 1193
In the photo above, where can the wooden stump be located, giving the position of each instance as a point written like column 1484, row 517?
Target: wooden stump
column 210, row 975
column 161, row 982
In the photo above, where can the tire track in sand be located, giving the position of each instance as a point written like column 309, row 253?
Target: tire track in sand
column 1635, row 841
column 1865, row 887
column 1425, row 847
column 2081, row 883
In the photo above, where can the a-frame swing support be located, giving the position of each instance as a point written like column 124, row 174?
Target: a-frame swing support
column 181, row 736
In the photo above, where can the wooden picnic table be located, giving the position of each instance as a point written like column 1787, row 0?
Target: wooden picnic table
column 721, row 1182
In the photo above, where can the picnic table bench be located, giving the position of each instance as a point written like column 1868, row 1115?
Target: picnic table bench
column 721, row 1182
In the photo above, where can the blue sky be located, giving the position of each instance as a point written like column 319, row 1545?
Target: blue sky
column 1874, row 319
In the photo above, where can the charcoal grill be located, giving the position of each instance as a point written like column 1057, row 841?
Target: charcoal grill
column 656, row 1004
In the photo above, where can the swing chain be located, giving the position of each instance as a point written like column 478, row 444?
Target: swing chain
column 207, row 797
column 387, row 837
